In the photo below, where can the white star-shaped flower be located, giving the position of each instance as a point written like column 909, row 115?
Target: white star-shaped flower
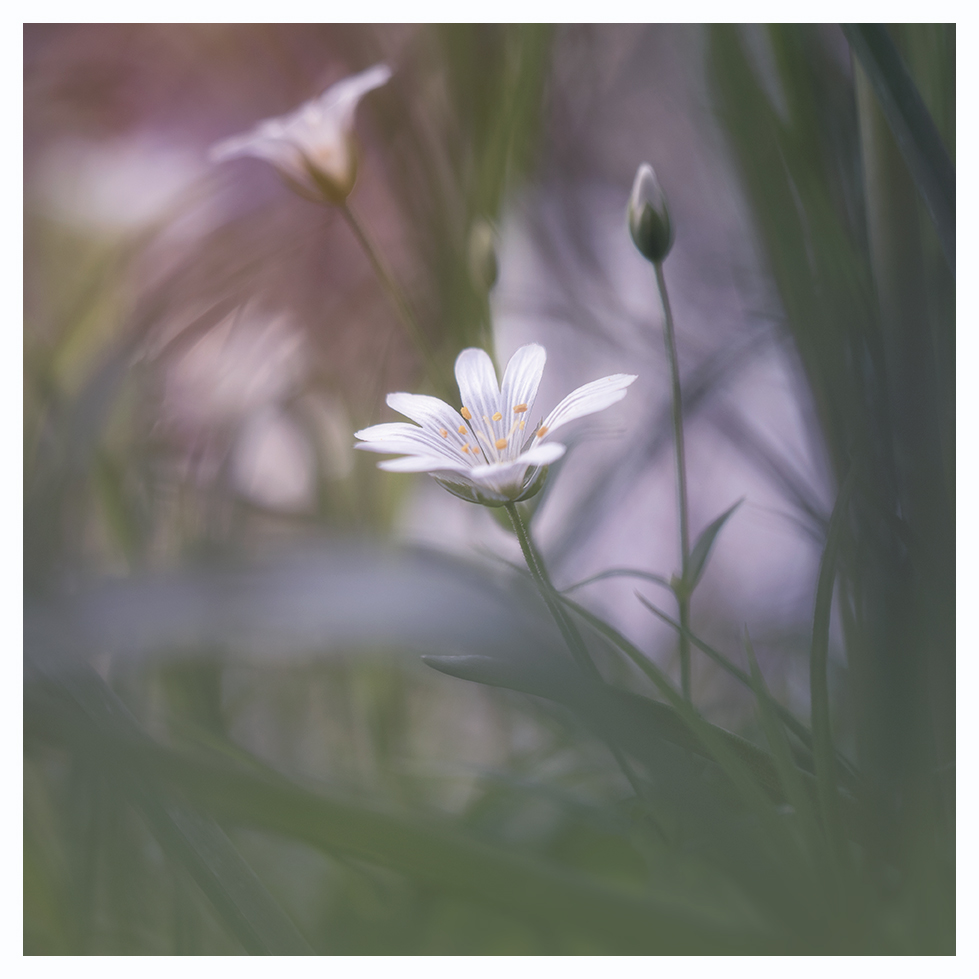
column 485, row 452
column 312, row 147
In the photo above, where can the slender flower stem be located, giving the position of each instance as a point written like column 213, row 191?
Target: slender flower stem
column 683, row 598
column 572, row 636
column 538, row 571
column 399, row 300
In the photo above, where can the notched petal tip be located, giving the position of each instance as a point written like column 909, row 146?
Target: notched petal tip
column 587, row 400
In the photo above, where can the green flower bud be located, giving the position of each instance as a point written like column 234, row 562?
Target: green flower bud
column 483, row 267
column 649, row 217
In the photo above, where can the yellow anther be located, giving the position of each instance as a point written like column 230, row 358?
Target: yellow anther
column 462, row 429
column 465, row 448
column 496, row 416
column 466, row 413
column 475, row 450
column 523, row 425
column 500, row 443
column 542, row 431
column 444, row 432
column 520, row 409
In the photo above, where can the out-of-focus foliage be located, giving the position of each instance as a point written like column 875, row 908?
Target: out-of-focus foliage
column 232, row 743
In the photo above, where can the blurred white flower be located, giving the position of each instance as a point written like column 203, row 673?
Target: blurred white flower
column 246, row 362
column 312, row 147
column 483, row 452
column 121, row 185
column 273, row 463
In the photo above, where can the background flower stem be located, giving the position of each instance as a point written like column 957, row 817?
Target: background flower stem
column 683, row 598
column 435, row 374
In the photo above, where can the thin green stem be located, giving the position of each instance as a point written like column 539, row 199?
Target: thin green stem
column 569, row 630
column 538, row 571
column 683, row 597
column 399, row 300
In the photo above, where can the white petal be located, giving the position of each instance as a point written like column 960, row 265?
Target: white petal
column 420, row 464
column 231, row 147
column 521, row 380
column 504, row 476
column 339, row 101
column 404, row 446
column 417, row 441
column 378, row 433
column 478, row 387
column 425, row 410
column 589, row 398
column 542, row 454
column 283, row 154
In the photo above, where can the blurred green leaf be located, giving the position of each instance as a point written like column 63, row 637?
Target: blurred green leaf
column 824, row 753
column 240, row 898
column 430, row 851
column 790, row 777
column 764, row 861
column 187, row 837
column 300, row 604
column 701, row 549
column 617, row 573
column 916, row 134
column 793, row 724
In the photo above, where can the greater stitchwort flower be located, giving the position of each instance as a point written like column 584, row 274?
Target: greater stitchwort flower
column 485, row 452
column 312, row 148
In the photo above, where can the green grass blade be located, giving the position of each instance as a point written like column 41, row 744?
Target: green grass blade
column 189, row 838
column 792, row 779
column 793, row 723
column 731, row 756
column 702, row 548
column 621, row 573
column 847, row 774
column 914, row 130
column 241, row 900
column 431, row 851
column 614, row 714
column 824, row 752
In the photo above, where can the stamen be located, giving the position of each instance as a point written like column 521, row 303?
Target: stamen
column 523, row 425
column 463, row 429
column 520, row 409
column 465, row 448
column 500, row 443
column 475, row 450
column 444, row 432
column 465, row 412
column 496, row 416
column 541, row 432
column 489, row 444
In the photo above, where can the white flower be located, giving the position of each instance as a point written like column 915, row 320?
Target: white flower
column 312, row 148
column 485, row 452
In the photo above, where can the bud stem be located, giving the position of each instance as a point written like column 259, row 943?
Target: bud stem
column 400, row 302
column 683, row 598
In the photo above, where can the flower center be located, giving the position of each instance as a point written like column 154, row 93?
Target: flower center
column 495, row 439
